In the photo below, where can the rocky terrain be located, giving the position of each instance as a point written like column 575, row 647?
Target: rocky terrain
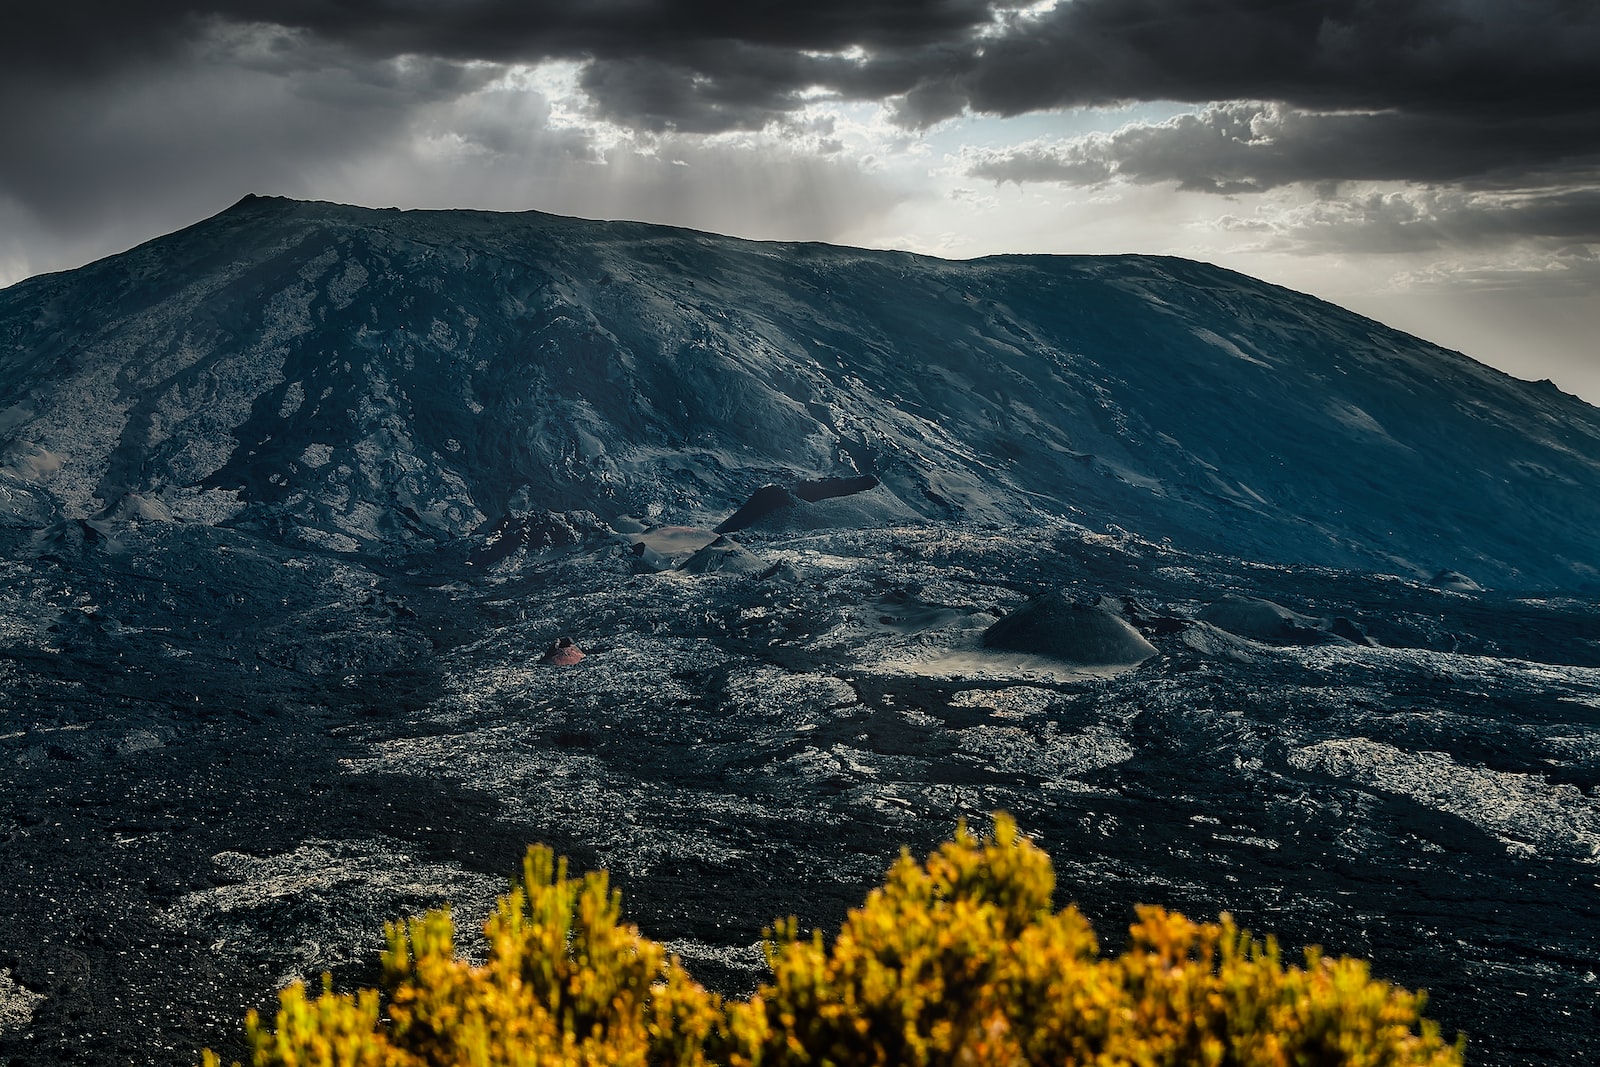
column 1300, row 612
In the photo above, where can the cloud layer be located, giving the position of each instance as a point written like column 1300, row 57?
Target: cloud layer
column 1254, row 146
column 1419, row 88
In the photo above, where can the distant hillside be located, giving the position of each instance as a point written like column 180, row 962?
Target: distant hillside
column 384, row 381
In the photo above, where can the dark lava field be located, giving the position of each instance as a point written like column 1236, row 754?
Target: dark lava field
column 212, row 795
column 293, row 503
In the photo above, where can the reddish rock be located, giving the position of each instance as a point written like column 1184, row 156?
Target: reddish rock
column 563, row 653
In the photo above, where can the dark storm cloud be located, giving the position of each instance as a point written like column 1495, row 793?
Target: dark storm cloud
column 1252, row 147
column 106, row 104
column 1460, row 57
column 701, row 66
column 245, row 110
column 657, row 94
column 1429, row 56
column 85, row 35
column 1456, row 91
column 1409, row 90
column 1563, row 223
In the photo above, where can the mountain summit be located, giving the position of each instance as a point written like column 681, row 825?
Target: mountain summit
column 385, row 381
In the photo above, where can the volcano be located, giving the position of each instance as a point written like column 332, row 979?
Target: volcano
column 381, row 381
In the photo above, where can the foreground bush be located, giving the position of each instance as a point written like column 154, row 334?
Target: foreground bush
column 958, row 961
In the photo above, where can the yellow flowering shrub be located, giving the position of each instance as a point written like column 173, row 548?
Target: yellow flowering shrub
column 565, row 983
column 959, row 961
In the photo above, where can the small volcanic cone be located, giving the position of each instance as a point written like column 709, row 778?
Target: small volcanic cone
column 564, row 653
column 1262, row 620
column 723, row 556
column 1086, row 634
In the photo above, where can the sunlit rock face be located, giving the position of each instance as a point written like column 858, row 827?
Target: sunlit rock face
column 375, row 381
column 343, row 553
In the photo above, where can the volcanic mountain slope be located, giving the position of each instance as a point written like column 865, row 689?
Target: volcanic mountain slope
column 385, row 381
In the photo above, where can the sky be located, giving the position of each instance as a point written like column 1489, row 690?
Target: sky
column 1434, row 164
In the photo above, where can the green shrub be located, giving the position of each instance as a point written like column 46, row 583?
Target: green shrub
column 959, row 961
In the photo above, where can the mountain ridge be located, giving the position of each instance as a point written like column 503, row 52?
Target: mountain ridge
column 378, row 380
